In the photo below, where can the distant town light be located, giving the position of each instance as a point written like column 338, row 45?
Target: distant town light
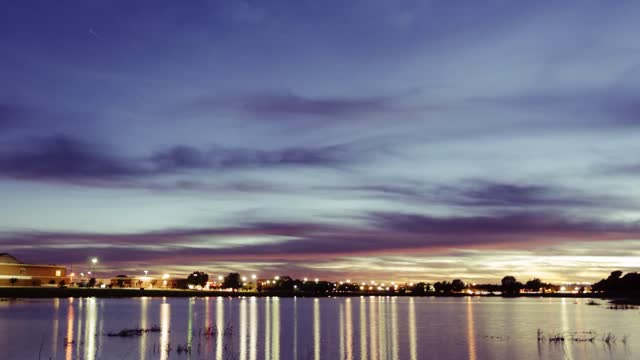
column 253, row 276
column 146, row 272
column 277, row 277
column 220, row 278
column 317, row 280
column 305, row 280
column 94, row 261
column 89, row 273
column 348, row 281
column 165, row 276
column 244, row 279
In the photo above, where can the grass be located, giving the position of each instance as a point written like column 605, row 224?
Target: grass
column 579, row 336
column 134, row 332
column 615, row 306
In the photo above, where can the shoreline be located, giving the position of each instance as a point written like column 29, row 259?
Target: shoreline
column 52, row 292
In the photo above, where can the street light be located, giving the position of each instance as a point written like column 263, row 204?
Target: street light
column 94, row 261
column 146, row 272
column 253, row 276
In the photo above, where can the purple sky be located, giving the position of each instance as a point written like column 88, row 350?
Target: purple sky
column 395, row 140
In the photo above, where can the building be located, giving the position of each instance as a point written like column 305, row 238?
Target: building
column 16, row 273
column 124, row 281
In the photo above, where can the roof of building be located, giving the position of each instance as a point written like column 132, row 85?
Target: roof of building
column 8, row 259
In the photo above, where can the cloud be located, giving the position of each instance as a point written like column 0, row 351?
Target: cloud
column 67, row 159
column 379, row 233
column 189, row 158
column 62, row 158
column 487, row 194
column 291, row 104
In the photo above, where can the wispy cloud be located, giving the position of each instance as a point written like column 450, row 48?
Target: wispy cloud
column 291, row 104
column 67, row 159
column 382, row 232
column 486, row 194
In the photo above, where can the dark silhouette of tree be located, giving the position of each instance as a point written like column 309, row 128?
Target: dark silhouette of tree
column 13, row 281
column 198, row 278
column 457, row 285
column 533, row 285
column 510, row 286
column 92, row 282
column 232, row 281
column 443, row 287
column 616, row 284
column 62, row 284
column 420, row 288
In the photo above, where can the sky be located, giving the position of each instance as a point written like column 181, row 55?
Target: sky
column 388, row 140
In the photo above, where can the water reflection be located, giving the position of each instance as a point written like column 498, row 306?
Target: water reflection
column 253, row 325
column 90, row 330
column 471, row 334
column 275, row 347
column 68, row 341
column 394, row 329
column 144, row 323
column 339, row 328
column 54, row 342
column 243, row 329
column 219, row 326
column 349, row 329
column 413, row 348
column 316, row 329
column 165, row 321
column 363, row 328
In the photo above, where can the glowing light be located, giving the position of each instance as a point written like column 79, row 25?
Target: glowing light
column 317, row 280
column 277, row 278
column 94, row 261
column 165, row 276
column 305, row 279
column 220, row 278
column 253, row 276
column 244, row 278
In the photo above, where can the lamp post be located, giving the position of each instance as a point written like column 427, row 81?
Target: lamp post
column 94, row 261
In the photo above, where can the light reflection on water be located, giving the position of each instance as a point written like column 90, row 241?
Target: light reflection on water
column 303, row 328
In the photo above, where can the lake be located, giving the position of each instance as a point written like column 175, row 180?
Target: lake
column 323, row 328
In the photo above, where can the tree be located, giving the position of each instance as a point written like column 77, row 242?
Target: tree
column 533, row 285
column 457, row 285
column 232, row 281
column 198, row 278
column 510, row 286
column 92, row 282
column 13, row 281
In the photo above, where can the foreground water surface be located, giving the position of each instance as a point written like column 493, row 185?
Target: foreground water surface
column 326, row 328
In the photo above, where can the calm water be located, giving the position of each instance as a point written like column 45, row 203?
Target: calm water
column 333, row 328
